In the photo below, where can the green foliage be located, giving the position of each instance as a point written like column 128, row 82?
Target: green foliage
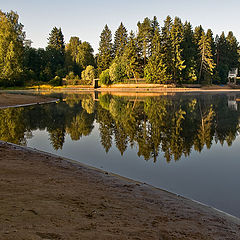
column 105, row 54
column 88, row 75
column 105, row 78
column 176, row 36
column 57, row 81
column 156, row 70
column 120, row 40
column 189, row 54
column 11, row 49
column 207, row 63
column 132, row 57
column 56, row 40
column 144, row 37
column 84, row 55
column 117, row 70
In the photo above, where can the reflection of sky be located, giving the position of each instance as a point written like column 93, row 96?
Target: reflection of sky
column 211, row 176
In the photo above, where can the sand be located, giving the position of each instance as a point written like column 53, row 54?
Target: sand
column 8, row 100
column 48, row 197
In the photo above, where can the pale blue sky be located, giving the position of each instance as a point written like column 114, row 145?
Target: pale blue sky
column 86, row 19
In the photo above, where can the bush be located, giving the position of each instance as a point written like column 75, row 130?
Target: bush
column 88, row 74
column 117, row 71
column 70, row 76
column 105, row 77
column 57, row 81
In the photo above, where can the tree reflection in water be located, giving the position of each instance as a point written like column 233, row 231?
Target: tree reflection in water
column 173, row 125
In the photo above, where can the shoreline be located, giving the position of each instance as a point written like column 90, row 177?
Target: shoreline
column 207, row 89
column 98, row 204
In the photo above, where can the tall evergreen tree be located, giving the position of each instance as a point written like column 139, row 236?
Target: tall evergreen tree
column 56, row 40
column 154, row 28
column 156, row 70
column 55, row 52
column 144, row 37
column 167, row 46
column 176, row 34
column 233, row 47
column 207, row 63
column 132, row 56
column 120, row 40
column 189, row 54
column 105, row 55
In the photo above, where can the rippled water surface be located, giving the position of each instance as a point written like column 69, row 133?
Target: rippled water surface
column 188, row 144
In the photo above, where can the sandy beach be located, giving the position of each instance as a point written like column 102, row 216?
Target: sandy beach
column 47, row 197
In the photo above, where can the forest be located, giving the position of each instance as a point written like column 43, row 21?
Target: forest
column 166, row 127
column 173, row 52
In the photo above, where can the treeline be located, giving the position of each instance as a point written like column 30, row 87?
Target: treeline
column 171, row 53
column 21, row 64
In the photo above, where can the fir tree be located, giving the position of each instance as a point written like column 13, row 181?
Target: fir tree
column 156, row 70
column 56, row 40
column 131, row 54
column 144, row 38
column 189, row 54
column 105, row 55
column 233, row 47
column 167, row 46
column 176, row 34
column 120, row 40
column 154, row 28
column 207, row 63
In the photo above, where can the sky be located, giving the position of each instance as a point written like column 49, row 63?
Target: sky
column 86, row 19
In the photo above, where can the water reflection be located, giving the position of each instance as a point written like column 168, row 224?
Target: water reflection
column 173, row 125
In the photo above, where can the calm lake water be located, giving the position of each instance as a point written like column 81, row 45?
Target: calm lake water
column 187, row 144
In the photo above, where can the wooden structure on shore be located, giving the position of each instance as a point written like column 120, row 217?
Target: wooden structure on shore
column 232, row 75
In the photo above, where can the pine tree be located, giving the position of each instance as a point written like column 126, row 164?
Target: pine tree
column 55, row 52
column 233, row 47
column 176, row 34
column 154, row 28
column 198, row 32
column 105, row 55
column 189, row 54
column 156, row 70
column 131, row 54
column 167, row 46
column 144, row 38
column 207, row 63
column 120, row 40
column 56, row 40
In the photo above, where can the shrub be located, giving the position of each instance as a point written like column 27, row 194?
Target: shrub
column 105, row 77
column 57, row 81
column 117, row 71
column 70, row 76
column 88, row 74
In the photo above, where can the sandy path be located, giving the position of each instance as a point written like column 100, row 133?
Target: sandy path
column 47, row 197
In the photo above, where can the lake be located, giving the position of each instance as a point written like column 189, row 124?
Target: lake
column 185, row 143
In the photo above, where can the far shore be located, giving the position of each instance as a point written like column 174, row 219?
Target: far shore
column 44, row 196
column 129, row 88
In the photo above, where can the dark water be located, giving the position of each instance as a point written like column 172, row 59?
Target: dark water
column 187, row 144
